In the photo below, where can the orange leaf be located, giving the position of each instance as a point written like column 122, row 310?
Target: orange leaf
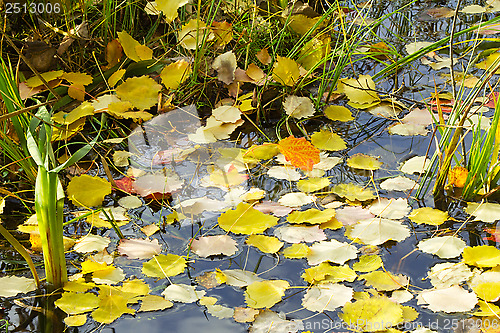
column 300, row 152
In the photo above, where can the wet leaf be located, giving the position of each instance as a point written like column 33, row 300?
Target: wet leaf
column 353, row 192
column 359, row 90
column 338, row 112
column 372, row 314
column 87, row 191
column 447, row 274
column 284, row 172
column 268, row 321
column 326, row 297
column 299, row 152
column 390, row 208
column 76, row 320
column 298, row 107
column 351, row 214
column 444, row 247
column 399, row 183
column 452, row 299
column 327, row 140
column 264, row 243
column 176, row 73
column 312, row 184
column 428, row 215
column 245, row 315
column 264, row 294
column 296, row 199
column 325, row 271
column 154, row 303
column 482, row 256
column 162, row 266
column 300, row 234
column 214, row 245
column 111, row 307
column 13, row 285
column 417, row 164
column 312, row 216
column 141, row 92
column 333, row 251
column 485, row 211
column 182, row 293
column 91, row 243
column 227, row 114
column 364, row 162
column 223, row 32
column 157, row 183
column 239, row 278
column 246, row 220
column 139, row 248
column 77, row 303
column 377, row 231
column 368, row 263
column 296, row 251
column 385, row 281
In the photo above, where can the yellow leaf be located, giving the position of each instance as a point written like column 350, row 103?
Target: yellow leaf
column 353, row 192
column 122, row 110
column 75, row 303
column 314, row 52
column 372, row 314
column 482, row 256
column 129, row 45
column 111, row 308
column 368, row 263
column 385, row 281
column 144, row 52
column 162, row 266
column 326, row 272
column 176, row 73
column 428, row 215
column 338, row 112
column 169, row 8
column 48, row 76
column 192, row 35
column 359, row 90
column 266, row 244
column 141, row 91
column 488, row 291
column 364, row 162
column 312, row 216
column 77, row 91
column 87, row 191
column 312, row 184
column 296, row 251
column 223, row 32
column 262, row 152
column 327, row 140
column 301, row 23
column 60, row 133
column 154, row 303
column 246, row 220
column 457, row 176
column 116, row 76
column 264, row 294
column 78, row 78
column 83, row 110
column 77, row 320
column 286, row 71
column 489, row 61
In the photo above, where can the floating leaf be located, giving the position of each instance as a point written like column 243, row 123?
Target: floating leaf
column 444, row 247
column 76, row 320
column 326, row 297
column 77, row 303
column 239, row 278
column 327, row 140
column 269, row 322
column 86, row 191
column 368, row 263
column 385, row 281
column 428, row 215
column 398, row 183
column 377, row 231
column 111, row 307
column 353, row 192
column 264, row 294
column 246, row 220
column 182, row 293
column 333, row 251
column 264, row 243
column 296, row 251
column 296, row 199
column 447, row 274
column 154, row 303
column 91, row 243
column 390, row 208
column 312, row 216
column 299, row 152
column 175, row 74
column 372, row 314
column 286, row 71
column 13, row 285
column 359, row 90
column 327, row 272
column 162, row 266
column 482, row 256
column 214, row 245
column 338, row 112
column 486, row 211
column 284, row 172
column 245, row 315
column 417, row 164
column 141, row 91
column 300, row 234
column 452, row 299
column 139, row 248
column 364, row 162
column 352, row 214
column 157, row 183
column 312, row 184
column 298, row 107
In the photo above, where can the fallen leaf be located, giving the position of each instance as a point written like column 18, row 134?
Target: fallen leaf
column 299, row 152
column 214, row 245
column 182, row 293
column 452, row 299
column 264, row 243
column 298, row 107
column 333, row 251
column 246, row 220
column 444, row 247
column 225, row 65
column 139, row 248
column 162, row 266
column 328, row 140
column 326, row 297
column 264, row 294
